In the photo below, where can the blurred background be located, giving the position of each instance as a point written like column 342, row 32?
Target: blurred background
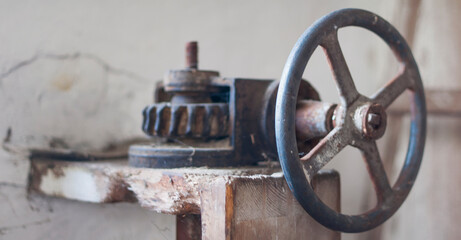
column 83, row 71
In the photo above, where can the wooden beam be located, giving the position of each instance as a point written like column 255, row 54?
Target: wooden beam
column 170, row 191
column 234, row 203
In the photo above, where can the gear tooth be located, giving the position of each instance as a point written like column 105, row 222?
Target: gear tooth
column 172, row 131
column 178, row 117
column 149, row 115
column 145, row 120
column 162, row 121
column 200, row 116
column 157, row 125
column 184, row 118
column 207, row 121
column 191, row 119
column 214, row 117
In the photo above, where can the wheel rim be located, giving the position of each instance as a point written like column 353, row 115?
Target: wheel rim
column 285, row 112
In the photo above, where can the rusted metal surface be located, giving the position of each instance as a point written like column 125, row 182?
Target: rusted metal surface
column 194, row 120
column 359, row 121
column 314, row 119
column 267, row 118
column 240, row 131
column 242, row 146
column 205, row 120
column 192, row 55
column 371, row 120
column 191, row 84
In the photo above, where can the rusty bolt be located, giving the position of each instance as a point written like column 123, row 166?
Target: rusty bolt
column 374, row 120
column 192, row 55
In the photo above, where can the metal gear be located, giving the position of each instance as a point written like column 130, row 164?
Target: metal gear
column 193, row 120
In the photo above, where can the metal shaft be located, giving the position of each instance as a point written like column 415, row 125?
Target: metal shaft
column 192, row 55
column 313, row 119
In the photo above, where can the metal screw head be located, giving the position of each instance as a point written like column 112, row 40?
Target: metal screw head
column 374, row 121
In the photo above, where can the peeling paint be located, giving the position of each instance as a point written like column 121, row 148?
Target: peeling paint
column 171, row 191
column 74, row 183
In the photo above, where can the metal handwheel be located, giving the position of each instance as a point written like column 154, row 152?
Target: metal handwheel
column 359, row 122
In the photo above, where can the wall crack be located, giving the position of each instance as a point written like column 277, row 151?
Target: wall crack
column 72, row 56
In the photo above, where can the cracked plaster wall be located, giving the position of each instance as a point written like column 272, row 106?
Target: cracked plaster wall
column 73, row 101
column 78, row 73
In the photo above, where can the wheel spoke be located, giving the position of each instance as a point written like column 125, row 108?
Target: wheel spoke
column 375, row 168
column 324, row 151
column 338, row 65
column 386, row 95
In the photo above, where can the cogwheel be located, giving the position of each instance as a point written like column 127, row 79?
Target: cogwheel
column 195, row 120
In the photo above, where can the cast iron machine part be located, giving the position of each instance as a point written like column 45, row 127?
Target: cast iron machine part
column 202, row 119
column 359, row 120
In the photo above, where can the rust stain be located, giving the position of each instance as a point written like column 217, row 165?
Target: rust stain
column 56, row 169
column 119, row 191
column 63, row 82
column 179, row 184
column 35, row 177
column 38, row 171
column 181, row 198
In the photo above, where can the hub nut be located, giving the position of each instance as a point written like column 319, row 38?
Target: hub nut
column 374, row 121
